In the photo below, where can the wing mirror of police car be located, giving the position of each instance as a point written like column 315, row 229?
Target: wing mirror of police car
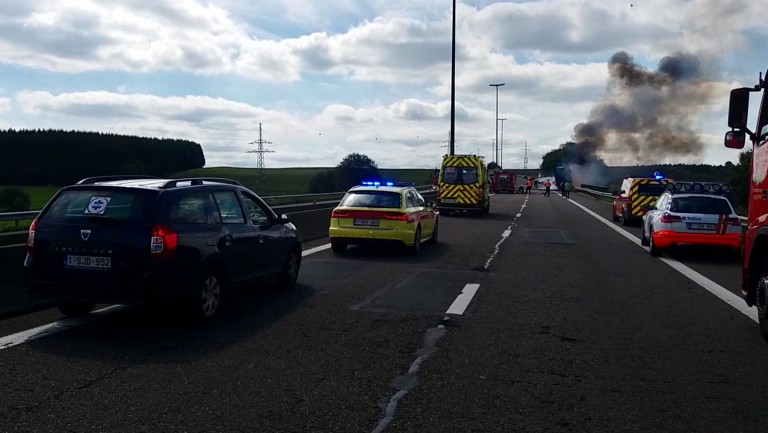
column 432, row 204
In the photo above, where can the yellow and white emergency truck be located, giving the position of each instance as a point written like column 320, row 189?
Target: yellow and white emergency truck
column 634, row 193
column 463, row 184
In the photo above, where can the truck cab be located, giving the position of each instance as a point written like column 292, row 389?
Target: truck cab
column 463, row 185
column 504, row 181
column 754, row 263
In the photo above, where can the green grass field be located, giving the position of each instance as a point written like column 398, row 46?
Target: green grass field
column 291, row 181
column 277, row 181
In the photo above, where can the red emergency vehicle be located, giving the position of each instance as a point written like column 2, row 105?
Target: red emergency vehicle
column 754, row 262
column 504, row 181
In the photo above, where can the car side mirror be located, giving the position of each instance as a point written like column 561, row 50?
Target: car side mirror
column 283, row 219
column 648, row 207
column 432, row 204
column 735, row 139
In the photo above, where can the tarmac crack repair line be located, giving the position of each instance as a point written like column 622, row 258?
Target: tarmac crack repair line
column 505, row 235
column 406, row 382
column 410, row 380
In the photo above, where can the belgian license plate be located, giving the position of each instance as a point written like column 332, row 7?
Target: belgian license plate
column 449, row 200
column 366, row 223
column 87, row 262
column 701, row 226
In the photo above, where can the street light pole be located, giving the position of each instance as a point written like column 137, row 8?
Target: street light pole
column 496, row 160
column 453, row 78
column 501, row 143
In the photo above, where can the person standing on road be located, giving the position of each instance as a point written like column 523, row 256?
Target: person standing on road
column 547, row 186
column 528, row 185
column 568, row 187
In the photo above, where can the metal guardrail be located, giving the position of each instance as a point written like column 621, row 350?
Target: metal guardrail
column 276, row 200
column 16, row 216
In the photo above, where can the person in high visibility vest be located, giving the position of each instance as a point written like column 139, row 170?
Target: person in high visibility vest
column 568, row 187
column 528, row 185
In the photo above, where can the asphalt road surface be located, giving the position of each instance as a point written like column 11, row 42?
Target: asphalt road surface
column 541, row 316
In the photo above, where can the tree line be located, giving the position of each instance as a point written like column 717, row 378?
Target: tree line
column 57, row 157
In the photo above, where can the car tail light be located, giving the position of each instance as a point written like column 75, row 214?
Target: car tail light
column 164, row 242
column 732, row 221
column 479, row 192
column 397, row 216
column 339, row 214
column 667, row 218
column 31, row 236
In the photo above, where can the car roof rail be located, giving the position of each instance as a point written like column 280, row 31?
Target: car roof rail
column 97, row 179
column 199, row 181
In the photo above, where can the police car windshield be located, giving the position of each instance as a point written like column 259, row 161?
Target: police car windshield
column 460, row 175
column 650, row 189
column 701, row 205
column 372, row 199
column 109, row 205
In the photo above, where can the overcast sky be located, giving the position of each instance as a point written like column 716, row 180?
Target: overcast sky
column 326, row 79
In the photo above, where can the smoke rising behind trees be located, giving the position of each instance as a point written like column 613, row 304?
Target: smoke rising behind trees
column 646, row 116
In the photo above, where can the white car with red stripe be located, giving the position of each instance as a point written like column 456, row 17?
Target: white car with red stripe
column 388, row 213
column 681, row 217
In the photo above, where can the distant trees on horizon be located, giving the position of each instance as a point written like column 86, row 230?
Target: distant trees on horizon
column 58, row 157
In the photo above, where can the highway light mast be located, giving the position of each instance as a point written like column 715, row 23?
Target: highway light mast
column 453, row 79
column 260, row 151
column 496, row 155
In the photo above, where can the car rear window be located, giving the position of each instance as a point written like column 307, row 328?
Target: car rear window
column 701, row 205
column 113, row 205
column 651, row 189
column 382, row 199
column 460, row 175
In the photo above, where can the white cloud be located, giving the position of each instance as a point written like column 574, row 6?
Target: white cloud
column 390, row 60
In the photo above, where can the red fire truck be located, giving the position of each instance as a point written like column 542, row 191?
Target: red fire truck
column 504, row 181
column 754, row 262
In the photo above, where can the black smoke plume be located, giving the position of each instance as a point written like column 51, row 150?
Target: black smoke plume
column 646, row 116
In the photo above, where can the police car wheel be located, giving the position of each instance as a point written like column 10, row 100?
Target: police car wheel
column 644, row 240
column 624, row 219
column 338, row 247
column 655, row 252
column 416, row 247
column 433, row 239
column 615, row 217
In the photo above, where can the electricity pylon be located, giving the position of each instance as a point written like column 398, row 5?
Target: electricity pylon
column 260, row 151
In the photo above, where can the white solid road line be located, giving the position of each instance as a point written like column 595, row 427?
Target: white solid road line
column 462, row 301
column 53, row 328
column 721, row 292
column 315, row 250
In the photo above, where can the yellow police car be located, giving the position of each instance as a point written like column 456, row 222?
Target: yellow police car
column 383, row 212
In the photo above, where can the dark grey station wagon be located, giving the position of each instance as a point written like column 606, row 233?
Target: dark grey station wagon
column 142, row 240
